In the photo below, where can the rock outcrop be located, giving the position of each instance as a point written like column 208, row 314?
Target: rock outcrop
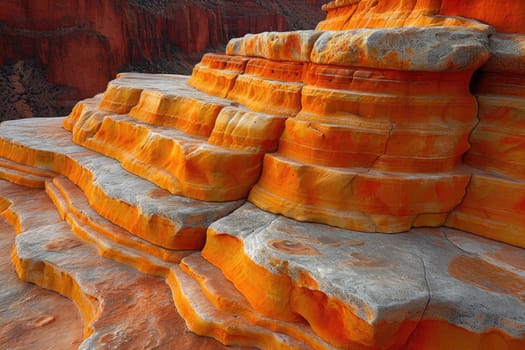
column 260, row 187
column 352, row 14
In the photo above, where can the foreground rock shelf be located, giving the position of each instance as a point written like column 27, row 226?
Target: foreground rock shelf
column 409, row 289
column 30, row 316
column 412, row 289
column 120, row 307
column 228, row 203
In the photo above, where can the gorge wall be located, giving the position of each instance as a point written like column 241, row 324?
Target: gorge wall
column 73, row 48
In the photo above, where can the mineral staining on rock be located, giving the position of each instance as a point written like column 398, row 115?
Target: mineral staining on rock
column 386, row 118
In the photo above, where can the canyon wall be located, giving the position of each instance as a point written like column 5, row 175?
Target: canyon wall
column 80, row 45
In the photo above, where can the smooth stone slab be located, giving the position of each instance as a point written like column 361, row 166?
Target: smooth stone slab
column 121, row 307
column 285, row 268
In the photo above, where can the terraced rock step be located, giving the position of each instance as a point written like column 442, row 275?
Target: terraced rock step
column 52, row 257
column 357, row 198
column 225, row 297
column 30, row 316
column 112, row 241
column 413, row 289
column 128, row 201
column 493, row 208
column 24, row 175
column 216, row 74
column 26, row 208
column 176, row 161
column 120, row 307
column 163, row 100
column 229, row 328
column 179, row 138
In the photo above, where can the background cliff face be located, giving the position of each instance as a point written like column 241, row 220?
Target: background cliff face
column 54, row 53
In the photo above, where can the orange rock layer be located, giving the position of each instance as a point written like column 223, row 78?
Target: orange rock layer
column 364, row 129
column 149, row 213
column 351, row 14
column 199, row 306
column 287, row 279
column 411, row 117
column 164, row 138
column 494, row 204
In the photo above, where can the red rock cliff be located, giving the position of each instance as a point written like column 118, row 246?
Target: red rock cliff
column 82, row 44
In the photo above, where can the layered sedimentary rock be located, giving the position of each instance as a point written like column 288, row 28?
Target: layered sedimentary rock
column 494, row 204
column 178, row 138
column 407, row 118
column 351, row 14
column 420, row 290
column 374, row 121
column 148, row 212
column 120, row 307
column 29, row 315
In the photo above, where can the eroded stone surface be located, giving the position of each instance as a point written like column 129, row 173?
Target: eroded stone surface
column 112, row 241
column 357, row 198
column 351, row 14
column 225, row 297
column 31, row 317
column 287, row 46
column 370, row 127
column 121, row 307
column 216, row 74
column 26, row 208
column 168, row 144
column 23, row 175
column 229, row 328
column 285, row 268
column 493, row 206
column 148, row 212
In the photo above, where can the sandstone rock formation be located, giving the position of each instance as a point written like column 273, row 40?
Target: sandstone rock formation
column 260, row 189
column 80, row 45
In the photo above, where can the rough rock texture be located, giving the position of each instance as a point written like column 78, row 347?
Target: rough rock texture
column 190, row 143
column 80, row 45
column 351, row 14
column 434, row 49
column 412, row 122
column 120, row 307
column 358, row 104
